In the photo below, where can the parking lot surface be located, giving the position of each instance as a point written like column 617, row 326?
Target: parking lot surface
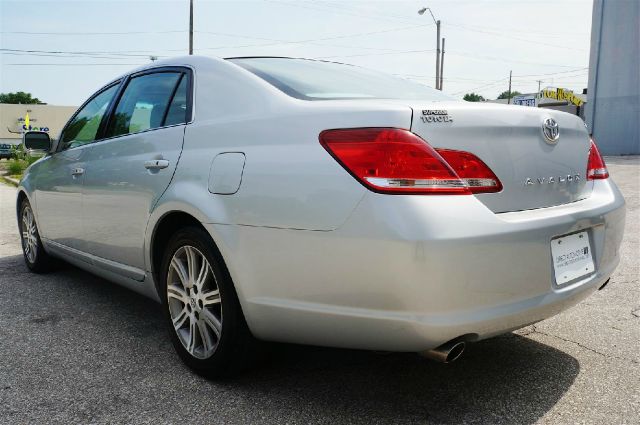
column 77, row 349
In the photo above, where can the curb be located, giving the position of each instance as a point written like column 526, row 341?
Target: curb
column 10, row 180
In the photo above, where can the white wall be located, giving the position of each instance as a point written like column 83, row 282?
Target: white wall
column 613, row 110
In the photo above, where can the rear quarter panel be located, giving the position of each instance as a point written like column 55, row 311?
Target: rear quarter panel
column 289, row 180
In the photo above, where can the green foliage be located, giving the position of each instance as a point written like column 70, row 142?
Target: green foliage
column 17, row 152
column 16, row 167
column 505, row 94
column 20, row 98
column 21, row 160
column 473, row 97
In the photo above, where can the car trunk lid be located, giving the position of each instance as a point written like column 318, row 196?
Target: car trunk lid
column 534, row 171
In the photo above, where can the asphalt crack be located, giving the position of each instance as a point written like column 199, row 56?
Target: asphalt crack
column 535, row 330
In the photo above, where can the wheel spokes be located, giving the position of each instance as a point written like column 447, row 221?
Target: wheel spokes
column 203, row 274
column 192, row 264
column 29, row 234
column 181, row 271
column 210, row 298
column 178, row 293
column 182, row 317
column 191, row 345
column 208, row 343
column 212, row 322
column 194, row 302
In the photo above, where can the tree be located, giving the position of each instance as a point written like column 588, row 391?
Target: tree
column 473, row 97
column 505, row 94
column 19, row 97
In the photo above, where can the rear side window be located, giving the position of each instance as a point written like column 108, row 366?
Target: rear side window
column 83, row 128
column 144, row 103
column 177, row 113
column 317, row 80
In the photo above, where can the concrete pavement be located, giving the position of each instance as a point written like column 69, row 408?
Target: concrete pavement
column 77, row 349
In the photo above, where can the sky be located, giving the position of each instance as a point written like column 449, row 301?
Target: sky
column 62, row 51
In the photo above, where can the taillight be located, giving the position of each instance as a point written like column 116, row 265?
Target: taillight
column 596, row 168
column 391, row 160
column 475, row 173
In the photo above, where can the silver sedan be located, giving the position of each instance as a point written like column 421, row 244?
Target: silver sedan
column 319, row 203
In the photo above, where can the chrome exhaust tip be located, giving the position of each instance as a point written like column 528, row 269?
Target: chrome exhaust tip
column 603, row 285
column 447, row 352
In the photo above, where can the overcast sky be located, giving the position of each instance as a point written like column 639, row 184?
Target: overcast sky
column 485, row 39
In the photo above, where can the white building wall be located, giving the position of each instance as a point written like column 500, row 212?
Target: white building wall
column 613, row 109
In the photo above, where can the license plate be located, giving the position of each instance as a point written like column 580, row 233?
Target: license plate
column 572, row 257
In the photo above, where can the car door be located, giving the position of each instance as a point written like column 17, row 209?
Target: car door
column 129, row 170
column 60, row 177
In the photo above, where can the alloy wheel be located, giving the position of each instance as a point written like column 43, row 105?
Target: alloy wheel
column 194, row 302
column 29, row 234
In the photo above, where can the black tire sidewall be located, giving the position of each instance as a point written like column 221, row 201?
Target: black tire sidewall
column 234, row 334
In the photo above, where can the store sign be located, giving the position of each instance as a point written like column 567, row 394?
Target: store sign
column 524, row 100
column 25, row 124
column 562, row 94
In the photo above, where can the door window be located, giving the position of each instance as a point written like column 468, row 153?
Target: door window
column 83, row 128
column 145, row 103
column 177, row 113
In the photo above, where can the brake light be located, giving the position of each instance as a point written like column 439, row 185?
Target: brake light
column 395, row 161
column 596, row 168
column 475, row 173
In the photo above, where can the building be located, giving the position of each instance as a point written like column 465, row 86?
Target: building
column 557, row 98
column 16, row 119
column 613, row 111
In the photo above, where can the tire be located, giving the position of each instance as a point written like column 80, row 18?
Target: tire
column 204, row 317
column 36, row 258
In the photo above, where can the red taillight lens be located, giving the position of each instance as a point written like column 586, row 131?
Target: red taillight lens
column 391, row 160
column 596, row 168
column 475, row 173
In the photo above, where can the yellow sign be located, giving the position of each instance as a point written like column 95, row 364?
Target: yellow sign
column 562, row 94
column 26, row 120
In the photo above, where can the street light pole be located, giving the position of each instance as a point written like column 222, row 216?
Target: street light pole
column 437, row 22
column 442, row 64
column 438, row 56
column 190, row 27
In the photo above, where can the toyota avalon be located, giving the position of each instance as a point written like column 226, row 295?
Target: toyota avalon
column 312, row 202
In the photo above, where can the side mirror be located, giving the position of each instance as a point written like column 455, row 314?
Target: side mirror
column 37, row 141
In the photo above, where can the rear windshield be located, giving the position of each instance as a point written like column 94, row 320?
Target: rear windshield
column 317, row 80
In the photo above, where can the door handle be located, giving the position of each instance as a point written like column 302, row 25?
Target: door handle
column 77, row 172
column 156, row 164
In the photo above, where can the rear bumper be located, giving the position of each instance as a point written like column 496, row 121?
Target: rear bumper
column 408, row 273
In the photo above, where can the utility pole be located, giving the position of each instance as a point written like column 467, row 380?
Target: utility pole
column 442, row 64
column 190, row 27
column 438, row 56
column 437, row 22
column 509, row 95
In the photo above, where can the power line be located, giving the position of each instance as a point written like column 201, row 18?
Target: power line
column 72, row 64
column 554, row 73
column 276, row 42
column 310, row 41
column 349, row 9
column 91, row 33
column 503, row 60
column 72, row 53
column 502, row 35
column 375, row 54
column 340, row 12
column 59, row 55
column 484, row 86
